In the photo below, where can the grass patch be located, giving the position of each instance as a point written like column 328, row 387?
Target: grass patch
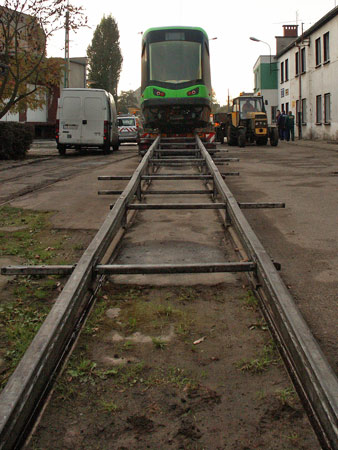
column 250, row 301
column 141, row 312
column 28, row 235
column 96, row 317
column 268, row 357
column 19, row 323
column 287, row 396
column 82, row 373
column 109, row 406
column 159, row 343
column 23, row 235
column 33, row 287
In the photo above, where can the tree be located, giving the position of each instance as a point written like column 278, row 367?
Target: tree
column 214, row 102
column 127, row 100
column 25, row 26
column 104, row 56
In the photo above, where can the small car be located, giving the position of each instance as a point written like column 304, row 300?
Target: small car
column 128, row 128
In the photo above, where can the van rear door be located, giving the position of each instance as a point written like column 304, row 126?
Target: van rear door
column 70, row 120
column 93, row 121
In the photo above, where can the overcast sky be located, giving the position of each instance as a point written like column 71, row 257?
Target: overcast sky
column 233, row 55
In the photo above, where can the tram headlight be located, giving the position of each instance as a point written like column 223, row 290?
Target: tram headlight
column 193, row 92
column 158, row 93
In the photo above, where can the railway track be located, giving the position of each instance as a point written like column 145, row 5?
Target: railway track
column 28, row 387
column 70, row 170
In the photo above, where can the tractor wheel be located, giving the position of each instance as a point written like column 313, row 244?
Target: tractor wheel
column 232, row 140
column 241, row 139
column 274, row 137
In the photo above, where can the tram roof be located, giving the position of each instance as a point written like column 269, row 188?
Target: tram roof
column 175, row 28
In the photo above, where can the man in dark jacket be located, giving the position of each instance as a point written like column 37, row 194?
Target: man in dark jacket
column 290, row 126
column 281, row 126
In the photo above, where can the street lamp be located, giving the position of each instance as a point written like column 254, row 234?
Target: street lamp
column 258, row 40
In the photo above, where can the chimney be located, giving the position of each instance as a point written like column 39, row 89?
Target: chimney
column 290, row 34
column 290, row 30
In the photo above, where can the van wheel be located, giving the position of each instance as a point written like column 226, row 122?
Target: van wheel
column 62, row 150
column 106, row 149
column 116, row 147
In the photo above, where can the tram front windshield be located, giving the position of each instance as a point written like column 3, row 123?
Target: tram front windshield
column 175, row 61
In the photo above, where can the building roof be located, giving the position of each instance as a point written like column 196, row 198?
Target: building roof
column 329, row 16
column 79, row 60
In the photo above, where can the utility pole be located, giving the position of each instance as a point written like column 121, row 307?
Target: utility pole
column 66, row 71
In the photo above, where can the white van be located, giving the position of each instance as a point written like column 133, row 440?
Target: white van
column 128, row 128
column 86, row 118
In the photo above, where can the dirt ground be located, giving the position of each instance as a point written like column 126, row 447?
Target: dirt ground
column 159, row 365
column 182, row 362
column 174, row 367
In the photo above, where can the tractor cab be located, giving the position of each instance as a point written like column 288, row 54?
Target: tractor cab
column 247, row 105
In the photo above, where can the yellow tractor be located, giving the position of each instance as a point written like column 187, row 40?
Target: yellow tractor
column 248, row 123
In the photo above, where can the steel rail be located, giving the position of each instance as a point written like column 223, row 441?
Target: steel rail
column 28, row 382
column 315, row 380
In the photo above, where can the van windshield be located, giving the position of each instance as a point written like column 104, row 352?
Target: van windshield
column 126, row 122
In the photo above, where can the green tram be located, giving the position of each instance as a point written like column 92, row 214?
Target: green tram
column 176, row 84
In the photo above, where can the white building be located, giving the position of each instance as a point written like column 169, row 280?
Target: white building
column 308, row 78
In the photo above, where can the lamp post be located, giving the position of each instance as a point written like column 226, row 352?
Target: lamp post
column 258, row 40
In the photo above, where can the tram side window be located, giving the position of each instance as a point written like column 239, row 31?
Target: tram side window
column 206, row 66
column 144, row 65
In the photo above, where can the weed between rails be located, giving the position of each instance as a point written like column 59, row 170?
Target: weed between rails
column 84, row 372
column 268, row 357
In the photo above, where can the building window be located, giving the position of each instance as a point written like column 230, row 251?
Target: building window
column 327, row 108
column 287, row 108
column 318, row 52
column 282, row 72
column 282, row 106
column 304, row 110
column 297, row 63
column 318, row 109
column 297, row 111
column 302, row 60
column 286, row 70
column 326, row 39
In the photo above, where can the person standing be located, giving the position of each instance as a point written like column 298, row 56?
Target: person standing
column 281, row 126
column 290, row 126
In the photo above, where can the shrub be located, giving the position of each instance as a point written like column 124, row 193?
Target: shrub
column 15, row 139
